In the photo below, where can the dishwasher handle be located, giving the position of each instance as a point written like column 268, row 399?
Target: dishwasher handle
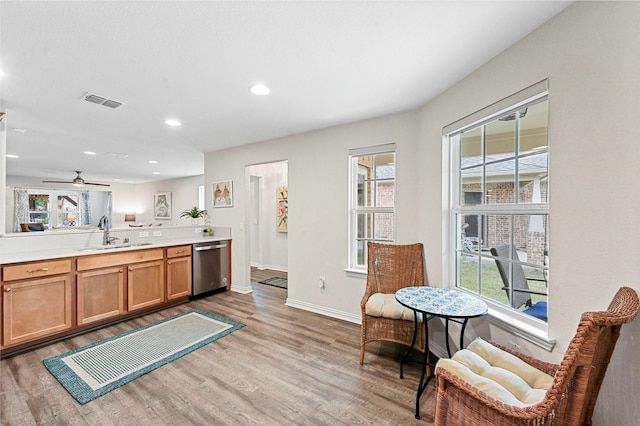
column 203, row 248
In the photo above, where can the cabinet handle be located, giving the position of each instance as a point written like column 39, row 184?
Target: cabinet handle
column 168, row 263
column 179, row 251
column 130, row 268
column 37, row 270
column 7, row 290
column 120, row 271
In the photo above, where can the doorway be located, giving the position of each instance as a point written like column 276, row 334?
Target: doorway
column 268, row 242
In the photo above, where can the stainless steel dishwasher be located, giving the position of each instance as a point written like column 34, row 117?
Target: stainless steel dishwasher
column 210, row 266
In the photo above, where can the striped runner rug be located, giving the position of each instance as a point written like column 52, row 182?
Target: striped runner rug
column 101, row 367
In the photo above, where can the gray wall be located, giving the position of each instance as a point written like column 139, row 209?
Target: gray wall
column 318, row 193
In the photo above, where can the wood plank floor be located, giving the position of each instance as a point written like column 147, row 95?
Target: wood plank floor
column 286, row 367
column 263, row 274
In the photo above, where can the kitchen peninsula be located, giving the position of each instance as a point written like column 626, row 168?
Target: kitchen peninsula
column 71, row 283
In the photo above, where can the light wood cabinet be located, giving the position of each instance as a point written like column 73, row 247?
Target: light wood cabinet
column 179, row 272
column 61, row 296
column 100, row 294
column 122, row 282
column 145, row 285
column 37, row 300
column 118, row 259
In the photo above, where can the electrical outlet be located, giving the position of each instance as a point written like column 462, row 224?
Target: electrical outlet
column 157, row 233
column 143, row 234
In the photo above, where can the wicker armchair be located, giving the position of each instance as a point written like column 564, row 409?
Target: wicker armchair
column 575, row 382
column 391, row 267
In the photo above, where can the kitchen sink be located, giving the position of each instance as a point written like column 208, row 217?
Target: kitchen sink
column 114, row 246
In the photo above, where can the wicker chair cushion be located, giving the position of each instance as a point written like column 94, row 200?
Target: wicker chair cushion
column 499, row 374
column 386, row 306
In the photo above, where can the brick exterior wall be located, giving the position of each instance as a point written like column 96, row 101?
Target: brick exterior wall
column 497, row 226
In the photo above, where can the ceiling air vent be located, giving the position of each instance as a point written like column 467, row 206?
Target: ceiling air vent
column 111, row 103
column 101, row 100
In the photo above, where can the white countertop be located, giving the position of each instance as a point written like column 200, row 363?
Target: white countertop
column 57, row 253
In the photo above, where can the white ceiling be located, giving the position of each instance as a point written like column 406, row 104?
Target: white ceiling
column 327, row 63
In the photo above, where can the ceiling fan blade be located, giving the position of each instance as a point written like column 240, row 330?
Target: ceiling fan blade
column 77, row 181
column 71, row 182
column 97, row 184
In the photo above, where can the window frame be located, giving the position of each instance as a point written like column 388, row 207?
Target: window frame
column 355, row 210
column 506, row 317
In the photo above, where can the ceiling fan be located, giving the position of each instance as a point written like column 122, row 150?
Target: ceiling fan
column 77, row 181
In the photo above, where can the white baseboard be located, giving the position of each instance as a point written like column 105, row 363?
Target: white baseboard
column 272, row 267
column 322, row 310
column 243, row 289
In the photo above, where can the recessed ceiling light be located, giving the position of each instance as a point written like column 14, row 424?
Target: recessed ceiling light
column 12, row 156
column 260, row 90
column 153, row 162
column 90, row 153
column 174, row 123
column 156, row 173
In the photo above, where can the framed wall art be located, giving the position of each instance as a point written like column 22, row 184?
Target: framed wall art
column 162, row 205
column 222, row 193
column 282, row 208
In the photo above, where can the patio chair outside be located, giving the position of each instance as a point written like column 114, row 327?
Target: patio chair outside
column 521, row 292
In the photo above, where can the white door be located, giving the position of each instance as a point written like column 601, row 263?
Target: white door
column 254, row 218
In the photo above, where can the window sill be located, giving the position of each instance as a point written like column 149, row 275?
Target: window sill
column 520, row 328
column 356, row 273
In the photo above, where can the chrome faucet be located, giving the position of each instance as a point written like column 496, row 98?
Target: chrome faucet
column 105, row 225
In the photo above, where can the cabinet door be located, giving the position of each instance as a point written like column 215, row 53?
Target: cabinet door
column 100, row 294
column 36, row 308
column 178, row 277
column 145, row 284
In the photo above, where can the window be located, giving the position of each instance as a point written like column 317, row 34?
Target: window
column 372, row 200
column 68, row 210
column 39, row 208
column 201, row 201
column 499, row 206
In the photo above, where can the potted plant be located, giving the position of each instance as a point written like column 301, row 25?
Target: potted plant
column 194, row 213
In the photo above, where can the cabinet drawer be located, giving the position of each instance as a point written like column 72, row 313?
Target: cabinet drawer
column 115, row 259
column 179, row 251
column 36, row 269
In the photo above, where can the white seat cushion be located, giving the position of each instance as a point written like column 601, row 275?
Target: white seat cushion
column 498, row 373
column 386, row 306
